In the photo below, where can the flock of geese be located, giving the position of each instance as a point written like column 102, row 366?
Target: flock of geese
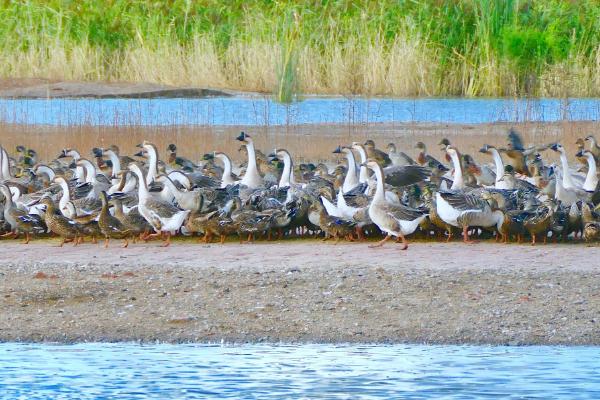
column 520, row 193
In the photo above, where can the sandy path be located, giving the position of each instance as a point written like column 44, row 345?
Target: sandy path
column 301, row 291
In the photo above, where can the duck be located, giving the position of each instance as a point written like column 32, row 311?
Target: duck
column 373, row 153
column 393, row 219
column 110, row 227
column 252, row 178
column 540, row 222
column 131, row 220
column 20, row 221
column 179, row 162
column 60, row 225
column 164, row 217
column 424, row 159
column 594, row 148
column 591, row 225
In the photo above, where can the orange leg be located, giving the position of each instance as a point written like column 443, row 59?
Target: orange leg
column 106, row 240
column 466, row 236
column 381, row 242
column 125, row 243
column 167, row 242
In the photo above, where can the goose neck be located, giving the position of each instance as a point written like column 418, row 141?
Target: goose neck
column 499, row 163
column 591, row 179
column 458, row 182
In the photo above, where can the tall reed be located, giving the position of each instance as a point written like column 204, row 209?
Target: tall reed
column 360, row 47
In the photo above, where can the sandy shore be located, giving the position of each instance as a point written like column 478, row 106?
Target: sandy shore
column 301, row 291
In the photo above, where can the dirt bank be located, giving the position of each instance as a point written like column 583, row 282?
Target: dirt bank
column 301, row 291
column 43, row 89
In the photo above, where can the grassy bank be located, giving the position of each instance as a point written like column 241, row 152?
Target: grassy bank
column 400, row 48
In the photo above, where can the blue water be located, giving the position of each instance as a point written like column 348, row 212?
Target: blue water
column 263, row 111
column 131, row 371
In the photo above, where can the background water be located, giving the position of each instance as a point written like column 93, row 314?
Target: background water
column 131, row 371
column 263, row 111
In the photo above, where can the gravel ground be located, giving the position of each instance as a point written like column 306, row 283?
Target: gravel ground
column 301, row 291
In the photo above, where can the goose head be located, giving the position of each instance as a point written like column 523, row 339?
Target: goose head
column 244, row 138
column 97, row 152
column 421, row 146
column 66, row 152
column 557, row 147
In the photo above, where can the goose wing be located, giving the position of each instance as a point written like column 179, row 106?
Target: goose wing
column 162, row 209
column 464, row 201
column 405, row 175
column 401, row 212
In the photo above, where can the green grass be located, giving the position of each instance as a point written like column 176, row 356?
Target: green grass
column 402, row 47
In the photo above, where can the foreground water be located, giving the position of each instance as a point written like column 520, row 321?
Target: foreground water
column 132, row 371
column 263, row 111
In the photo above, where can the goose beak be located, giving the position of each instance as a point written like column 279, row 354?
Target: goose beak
column 139, row 154
column 338, row 150
column 554, row 147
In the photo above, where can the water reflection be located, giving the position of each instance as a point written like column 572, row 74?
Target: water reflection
column 296, row 371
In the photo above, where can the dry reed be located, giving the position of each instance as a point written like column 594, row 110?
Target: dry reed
column 305, row 142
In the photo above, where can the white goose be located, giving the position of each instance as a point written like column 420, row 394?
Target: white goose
column 287, row 175
column 567, row 178
column 461, row 209
column 251, row 178
column 228, row 178
column 394, row 219
column 164, row 217
column 499, row 164
column 363, row 175
column 351, row 179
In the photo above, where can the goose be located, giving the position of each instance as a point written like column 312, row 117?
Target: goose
column 287, row 175
column 568, row 195
column 187, row 200
column 85, row 205
column 458, row 183
column 227, row 177
column 251, row 178
column 162, row 216
column 464, row 210
column 363, row 175
column 394, row 220
column 398, row 158
column 591, row 179
column 491, row 150
column 567, row 177
column 152, row 154
column 351, row 180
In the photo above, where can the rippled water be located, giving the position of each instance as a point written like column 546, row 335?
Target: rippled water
column 131, row 371
column 263, row 111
